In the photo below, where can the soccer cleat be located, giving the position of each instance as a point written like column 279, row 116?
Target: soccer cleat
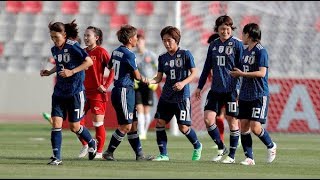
column 98, row 156
column 196, row 155
column 272, row 153
column 55, row 161
column 248, row 162
column 228, row 160
column 108, row 156
column 161, row 158
column 83, row 151
column 92, row 151
column 143, row 136
column 46, row 116
column 144, row 158
column 220, row 154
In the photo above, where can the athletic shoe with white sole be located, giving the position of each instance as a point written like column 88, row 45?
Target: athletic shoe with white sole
column 220, row 154
column 271, row 154
column 161, row 158
column 83, row 151
column 248, row 162
column 92, row 151
column 98, row 156
column 55, row 161
column 228, row 160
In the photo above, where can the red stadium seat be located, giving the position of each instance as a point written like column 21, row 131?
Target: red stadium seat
column 69, row 7
column 33, row 7
column 1, row 49
column 193, row 22
column 14, row 6
column 218, row 8
column 107, row 7
column 185, row 8
column 317, row 25
column 144, row 8
column 249, row 19
column 205, row 34
column 117, row 20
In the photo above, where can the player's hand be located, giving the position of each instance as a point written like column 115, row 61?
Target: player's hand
column 236, row 72
column 66, row 73
column 102, row 89
column 198, row 94
column 45, row 72
column 178, row 86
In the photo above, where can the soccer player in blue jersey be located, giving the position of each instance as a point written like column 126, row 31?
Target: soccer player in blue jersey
column 123, row 62
column 68, row 97
column 254, row 93
column 179, row 67
column 223, row 55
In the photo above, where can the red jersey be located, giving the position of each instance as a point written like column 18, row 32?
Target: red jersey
column 95, row 73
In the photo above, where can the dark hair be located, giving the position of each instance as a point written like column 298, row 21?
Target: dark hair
column 253, row 30
column 70, row 29
column 97, row 32
column 125, row 33
column 171, row 31
column 224, row 20
column 212, row 37
column 140, row 34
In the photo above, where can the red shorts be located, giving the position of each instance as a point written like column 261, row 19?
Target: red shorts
column 97, row 107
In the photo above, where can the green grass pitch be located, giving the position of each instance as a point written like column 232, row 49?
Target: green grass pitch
column 26, row 148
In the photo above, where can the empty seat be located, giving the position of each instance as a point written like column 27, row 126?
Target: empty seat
column 218, row 7
column 50, row 7
column 69, row 7
column 41, row 34
column 43, row 19
column 88, row 7
column 23, row 33
column 107, row 7
column 138, row 21
column 249, row 19
column 12, row 49
column 33, row 7
column 185, row 8
column 193, row 22
column 117, row 20
column 6, row 32
column 125, row 7
column 32, row 49
column 144, row 8
column 15, row 65
column 101, row 21
column 25, row 19
column 14, row 6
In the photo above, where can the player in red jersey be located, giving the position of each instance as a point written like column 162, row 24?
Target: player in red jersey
column 96, row 88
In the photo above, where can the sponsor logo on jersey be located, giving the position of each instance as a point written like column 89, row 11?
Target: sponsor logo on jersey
column 214, row 48
column 166, row 64
column 130, row 115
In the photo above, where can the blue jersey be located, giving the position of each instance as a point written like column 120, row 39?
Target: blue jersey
column 69, row 57
column 123, row 61
column 222, row 57
column 176, row 68
column 254, row 88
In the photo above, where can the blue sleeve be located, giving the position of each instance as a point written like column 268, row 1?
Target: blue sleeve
column 132, row 61
column 206, row 69
column 190, row 60
column 81, row 52
column 263, row 58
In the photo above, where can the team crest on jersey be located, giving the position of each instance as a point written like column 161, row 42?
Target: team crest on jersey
column 96, row 108
column 59, row 57
column 171, row 63
column 229, row 50
column 130, row 115
column 221, row 48
column 230, row 43
column 65, row 50
column 178, row 55
column 178, row 62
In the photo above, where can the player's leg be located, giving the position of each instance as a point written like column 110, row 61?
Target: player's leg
column 58, row 114
column 259, row 115
column 75, row 114
column 210, row 111
column 123, row 102
column 220, row 122
column 98, row 110
column 183, row 115
column 245, row 111
column 84, row 148
column 163, row 115
column 147, row 104
column 140, row 113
